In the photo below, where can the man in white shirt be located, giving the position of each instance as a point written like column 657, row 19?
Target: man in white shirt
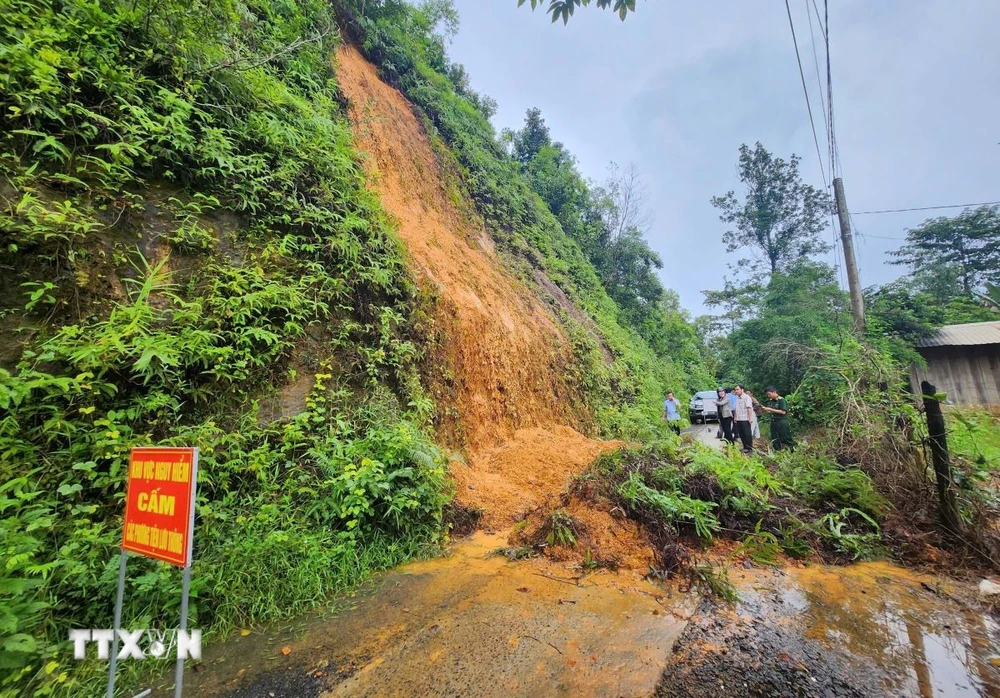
column 672, row 413
column 744, row 418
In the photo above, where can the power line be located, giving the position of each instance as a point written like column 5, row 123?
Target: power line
column 819, row 80
column 818, row 20
column 925, row 208
column 879, row 237
column 832, row 134
column 805, row 91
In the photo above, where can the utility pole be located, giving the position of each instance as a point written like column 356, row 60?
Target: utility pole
column 857, row 299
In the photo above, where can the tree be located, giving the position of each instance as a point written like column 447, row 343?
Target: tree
column 625, row 261
column 440, row 15
column 780, row 218
column 460, row 79
column 991, row 298
column 801, row 305
column 563, row 9
column 532, row 138
column 969, row 241
column 739, row 302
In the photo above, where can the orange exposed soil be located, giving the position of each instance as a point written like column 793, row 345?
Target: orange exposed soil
column 524, row 473
column 505, row 352
column 602, row 539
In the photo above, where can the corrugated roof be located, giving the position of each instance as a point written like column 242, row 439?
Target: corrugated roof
column 964, row 335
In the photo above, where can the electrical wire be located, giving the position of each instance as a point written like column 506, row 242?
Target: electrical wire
column 819, row 80
column 818, row 20
column 805, row 91
column 879, row 237
column 926, row 208
column 832, row 141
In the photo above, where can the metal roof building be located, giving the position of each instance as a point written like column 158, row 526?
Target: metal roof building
column 967, row 335
column 962, row 361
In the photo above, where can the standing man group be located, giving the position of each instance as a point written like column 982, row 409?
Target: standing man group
column 738, row 411
column 672, row 413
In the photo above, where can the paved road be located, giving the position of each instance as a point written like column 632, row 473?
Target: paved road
column 705, row 433
column 468, row 624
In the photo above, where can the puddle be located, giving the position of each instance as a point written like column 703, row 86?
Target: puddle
column 870, row 629
column 908, row 624
column 467, row 624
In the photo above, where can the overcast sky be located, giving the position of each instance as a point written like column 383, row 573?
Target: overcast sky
column 680, row 85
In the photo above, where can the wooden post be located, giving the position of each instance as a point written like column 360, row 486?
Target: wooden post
column 942, row 464
column 846, row 237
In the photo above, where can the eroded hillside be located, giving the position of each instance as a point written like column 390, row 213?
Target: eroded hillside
column 501, row 344
column 512, row 404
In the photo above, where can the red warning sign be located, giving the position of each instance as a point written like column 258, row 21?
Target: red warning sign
column 159, row 504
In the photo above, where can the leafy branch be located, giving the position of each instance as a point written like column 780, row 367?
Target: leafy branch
column 563, row 9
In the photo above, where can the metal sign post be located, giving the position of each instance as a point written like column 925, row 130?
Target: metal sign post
column 186, row 583
column 159, row 523
column 118, row 623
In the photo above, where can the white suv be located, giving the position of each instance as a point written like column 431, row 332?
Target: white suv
column 702, row 407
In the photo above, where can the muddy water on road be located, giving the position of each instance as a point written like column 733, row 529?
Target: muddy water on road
column 870, row 629
column 471, row 624
column 475, row 624
column 926, row 643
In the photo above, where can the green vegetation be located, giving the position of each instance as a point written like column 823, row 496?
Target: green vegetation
column 974, row 435
column 498, row 174
column 785, row 322
column 779, row 218
column 669, row 506
column 801, row 503
column 609, row 223
column 820, row 482
column 967, row 246
column 186, row 229
column 561, row 529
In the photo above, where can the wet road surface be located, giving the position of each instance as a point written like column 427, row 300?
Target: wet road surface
column 471, row 624
column 871, row 629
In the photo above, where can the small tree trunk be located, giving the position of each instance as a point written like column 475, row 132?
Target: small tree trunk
column 942, row 464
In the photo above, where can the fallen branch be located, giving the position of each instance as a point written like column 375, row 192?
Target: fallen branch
column 532, row 637
column 298, row 43
column 574, row 581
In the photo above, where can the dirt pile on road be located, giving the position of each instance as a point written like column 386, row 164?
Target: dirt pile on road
column 502, row 392
column 527, row 472
column 602, row 536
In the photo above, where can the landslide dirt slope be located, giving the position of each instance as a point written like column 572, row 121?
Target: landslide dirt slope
column 504, row 351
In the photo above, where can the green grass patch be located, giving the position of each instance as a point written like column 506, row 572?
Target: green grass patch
column 974, row 435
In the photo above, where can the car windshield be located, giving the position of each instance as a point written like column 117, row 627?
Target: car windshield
column 705, row 394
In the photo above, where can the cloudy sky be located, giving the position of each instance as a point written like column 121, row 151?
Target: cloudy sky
column 677, row 87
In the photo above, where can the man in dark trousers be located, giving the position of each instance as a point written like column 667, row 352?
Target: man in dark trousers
column 672, row 413
column 744, row 418
column 725, row 412
column 781, row 431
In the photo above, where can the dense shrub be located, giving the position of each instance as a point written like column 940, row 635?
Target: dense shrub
column 187, row 229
